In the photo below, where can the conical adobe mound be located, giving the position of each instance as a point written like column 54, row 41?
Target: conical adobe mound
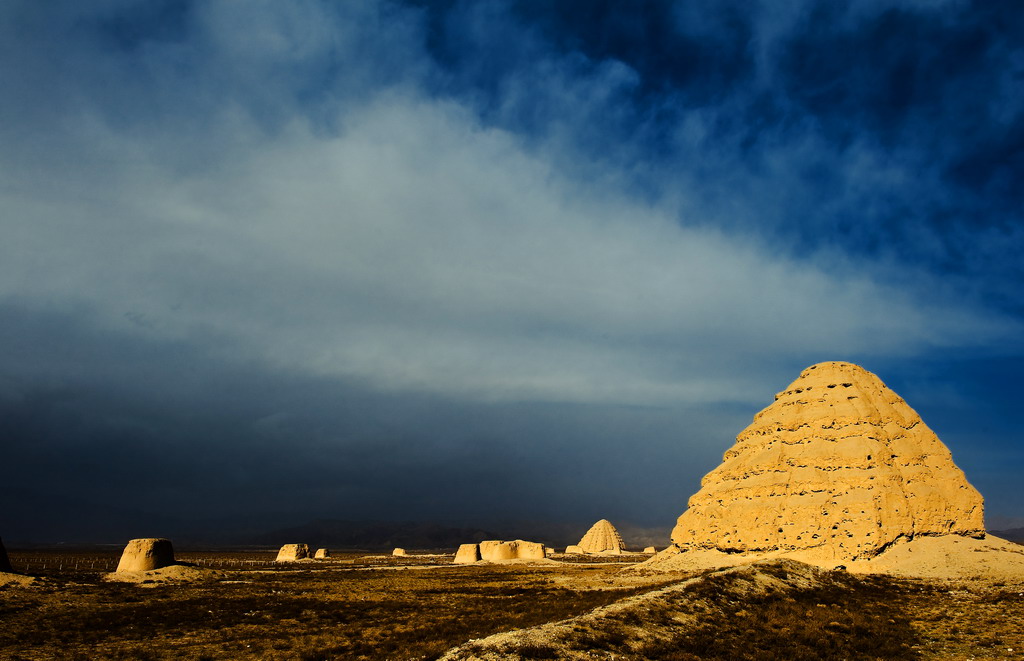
column 602, row 538
column 839, row 463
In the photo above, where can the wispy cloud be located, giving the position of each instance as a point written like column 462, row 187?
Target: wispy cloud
column 369, row 196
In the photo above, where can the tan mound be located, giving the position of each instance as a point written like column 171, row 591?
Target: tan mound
column 949, row 556
column 839, row 465
column 940, row 556
column 602, row 538
column 165, row 575
column 145, row 554
column 322, row 554
column 574, row 548
column 399, row 551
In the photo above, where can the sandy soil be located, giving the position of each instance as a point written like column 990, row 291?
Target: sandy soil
column 936, row 557
column 180, row 573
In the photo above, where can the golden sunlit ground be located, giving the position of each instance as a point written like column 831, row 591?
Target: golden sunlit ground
column 379, row 607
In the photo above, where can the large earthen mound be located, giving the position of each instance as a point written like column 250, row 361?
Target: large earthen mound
column 602, row 538
column 837, row 469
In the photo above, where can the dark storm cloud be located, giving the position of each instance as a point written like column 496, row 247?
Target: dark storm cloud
column 472, row 261
column 889, row 130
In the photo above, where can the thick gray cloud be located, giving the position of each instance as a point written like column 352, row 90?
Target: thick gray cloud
column 264, row 199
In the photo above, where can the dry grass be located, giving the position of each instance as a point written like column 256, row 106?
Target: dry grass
column 359, row 610
column 963, row 621
column 841, row 618
column 382, row 607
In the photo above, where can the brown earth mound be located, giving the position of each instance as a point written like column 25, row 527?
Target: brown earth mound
column 838, row 463
column 717, row 615
column 145, row 554
column 180, row 573
column 840, row 471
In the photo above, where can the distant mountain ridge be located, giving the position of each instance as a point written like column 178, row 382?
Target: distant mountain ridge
column 375, row 535
column 1011, row 534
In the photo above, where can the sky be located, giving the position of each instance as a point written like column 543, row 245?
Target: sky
column 489, row 261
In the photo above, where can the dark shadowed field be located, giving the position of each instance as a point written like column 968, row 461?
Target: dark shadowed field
column 378, row 607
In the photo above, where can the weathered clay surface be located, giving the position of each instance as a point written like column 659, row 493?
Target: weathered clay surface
column 573, row 548
column 650, row 549
column 322, row 554
column 146, row 554
column 5, row 562
column 838, row 463
column 293, row 552
column 399, row 551
column 467, row 554
column 602, row 538
column 498, row 551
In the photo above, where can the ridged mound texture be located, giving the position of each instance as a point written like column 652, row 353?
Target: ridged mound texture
column 602, row 538
column 838, row 462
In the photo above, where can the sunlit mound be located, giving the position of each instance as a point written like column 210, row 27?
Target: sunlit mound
column 838, row 470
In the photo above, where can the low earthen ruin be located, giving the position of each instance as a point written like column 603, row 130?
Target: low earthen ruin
column 399, row 551
column 322, row 554
column 500, row 551
column 146, row 554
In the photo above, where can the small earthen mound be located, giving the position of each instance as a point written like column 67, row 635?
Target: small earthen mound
column 293, row 552
column 5, row 562
column 146, row 554
column 322, row 554
column 399, row 552
column 173, row 574
column 7, row 575
column 575, row 549
column 467, row 554
column 602, row 538
column 650, row 549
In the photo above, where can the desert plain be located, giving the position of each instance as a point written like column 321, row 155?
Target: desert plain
column 240, row 604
